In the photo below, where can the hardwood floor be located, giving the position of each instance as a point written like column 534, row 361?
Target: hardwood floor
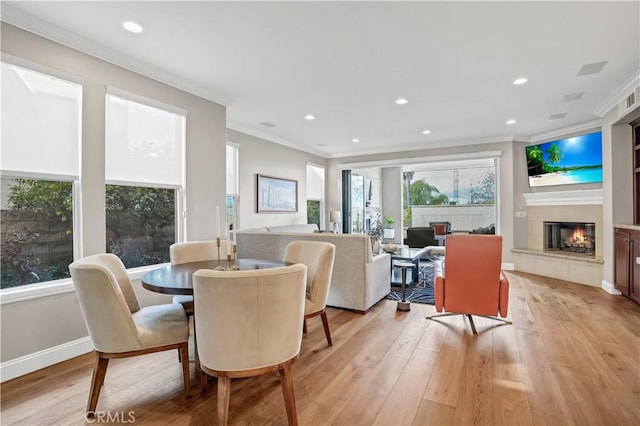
column 571, row 357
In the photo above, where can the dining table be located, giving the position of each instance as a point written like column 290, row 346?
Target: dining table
column 178, row 279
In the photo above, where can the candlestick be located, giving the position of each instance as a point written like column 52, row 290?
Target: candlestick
column 235, row 266
column 218, row 223
column 219, row 267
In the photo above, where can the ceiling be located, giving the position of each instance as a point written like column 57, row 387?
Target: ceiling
column 347, row 62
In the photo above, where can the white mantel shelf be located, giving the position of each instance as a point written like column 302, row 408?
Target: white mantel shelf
column 564, row 198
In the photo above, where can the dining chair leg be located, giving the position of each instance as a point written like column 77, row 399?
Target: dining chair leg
column 204, row 381
column 286, row 379
column 99, row 372
column 304, row 326
column 224, row 394
column 325, row 324
column 184, row 355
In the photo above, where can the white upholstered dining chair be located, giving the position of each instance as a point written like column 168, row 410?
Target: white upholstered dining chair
column 118, row 326
column 197, row 251
column 249, row 323
column 319, row 257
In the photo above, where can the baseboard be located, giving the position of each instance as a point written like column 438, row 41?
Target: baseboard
column 29, row 363
column 609, row 288
column 508, row 266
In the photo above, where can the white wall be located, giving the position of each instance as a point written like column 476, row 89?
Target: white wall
column 258, row 156
column 38, row 324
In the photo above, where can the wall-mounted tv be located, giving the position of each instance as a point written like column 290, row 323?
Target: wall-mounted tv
column 566, row 161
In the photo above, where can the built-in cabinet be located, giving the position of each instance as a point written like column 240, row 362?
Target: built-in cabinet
column 636, row 171
column 627, row 262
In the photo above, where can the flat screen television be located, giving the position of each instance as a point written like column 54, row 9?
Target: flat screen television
column 566, row 161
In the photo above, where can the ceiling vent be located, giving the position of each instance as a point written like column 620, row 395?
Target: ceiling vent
column 629, row 102
column 267, row 124
column 557, row 116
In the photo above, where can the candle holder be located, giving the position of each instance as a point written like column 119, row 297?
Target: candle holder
column 219, row 267
column 234, row 266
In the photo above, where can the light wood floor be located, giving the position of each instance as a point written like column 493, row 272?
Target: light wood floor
column 571, row 357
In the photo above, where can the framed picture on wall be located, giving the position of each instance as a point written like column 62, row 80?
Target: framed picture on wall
column 277, row 195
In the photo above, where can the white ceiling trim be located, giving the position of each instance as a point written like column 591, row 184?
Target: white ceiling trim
column 582, row 127
column 58, row 35
column 616, row 97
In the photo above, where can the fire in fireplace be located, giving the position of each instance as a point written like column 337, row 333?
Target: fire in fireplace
column 576, row 237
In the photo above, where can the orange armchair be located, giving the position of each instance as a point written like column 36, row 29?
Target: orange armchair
column 472, row 282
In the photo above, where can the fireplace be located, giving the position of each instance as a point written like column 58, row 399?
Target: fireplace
column 570, row 237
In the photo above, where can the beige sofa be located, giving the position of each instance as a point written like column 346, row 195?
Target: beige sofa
column 359, row 279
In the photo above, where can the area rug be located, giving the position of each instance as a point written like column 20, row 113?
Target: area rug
column 418, row 293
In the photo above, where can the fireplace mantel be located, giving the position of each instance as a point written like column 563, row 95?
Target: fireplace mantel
column 564, row 198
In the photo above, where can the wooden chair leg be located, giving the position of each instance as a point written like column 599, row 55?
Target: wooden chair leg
column 325, row 324
column 204, row 381
column 99, row 372
column 304, row 326
column 286, row 379
column 184, row 356
column 224, row 394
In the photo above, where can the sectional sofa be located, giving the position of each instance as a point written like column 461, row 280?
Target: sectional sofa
column 359, row 280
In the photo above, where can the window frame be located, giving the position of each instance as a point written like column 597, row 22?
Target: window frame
column 63, row 285
column 179, row 190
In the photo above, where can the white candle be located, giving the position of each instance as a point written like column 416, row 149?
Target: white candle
column 217, row 221
column 228, row 239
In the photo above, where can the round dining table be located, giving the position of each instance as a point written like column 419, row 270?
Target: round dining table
column 178, row 279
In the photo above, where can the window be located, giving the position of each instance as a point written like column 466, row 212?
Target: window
column 462, row 193
column 232, row 185
column 40, row 146
column 144, row 175
column 315, row 194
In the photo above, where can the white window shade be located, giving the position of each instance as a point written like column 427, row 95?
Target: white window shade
column 232, row 170
column 315, row 182
column 144, row 144
column 41, row 117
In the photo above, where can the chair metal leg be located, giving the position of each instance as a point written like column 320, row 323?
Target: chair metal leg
column 473, row 326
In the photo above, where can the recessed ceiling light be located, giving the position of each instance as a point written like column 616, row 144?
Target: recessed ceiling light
column 355, row 140
column 426, row 132
column 511, row 121
column 132, row 27
column 309, row 117
column 519, row 81
column 401, row 101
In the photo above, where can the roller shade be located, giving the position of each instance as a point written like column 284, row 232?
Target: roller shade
column 144, row 144
column 41, row 122
column 315, row 182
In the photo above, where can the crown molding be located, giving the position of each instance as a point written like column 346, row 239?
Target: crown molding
column 558, row 133
column 616, row 97
column 66, row 38
column 269, row 138
column 579, row 197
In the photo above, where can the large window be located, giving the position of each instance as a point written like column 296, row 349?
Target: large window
column 144, row 175
column 460, row 192
column 315, row 194
column 39, row 163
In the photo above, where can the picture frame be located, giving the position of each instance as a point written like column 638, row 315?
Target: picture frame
column 276, row 195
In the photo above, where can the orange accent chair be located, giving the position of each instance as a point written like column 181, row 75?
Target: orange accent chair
column 471, row 281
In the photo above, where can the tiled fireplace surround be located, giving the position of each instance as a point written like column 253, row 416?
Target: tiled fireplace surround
column 562, row 206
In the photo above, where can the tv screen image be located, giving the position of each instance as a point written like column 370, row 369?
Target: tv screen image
column 566, row 161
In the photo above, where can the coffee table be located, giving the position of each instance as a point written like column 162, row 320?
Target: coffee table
column 406, row 254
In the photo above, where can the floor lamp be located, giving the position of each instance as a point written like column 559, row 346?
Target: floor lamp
column 334, row 218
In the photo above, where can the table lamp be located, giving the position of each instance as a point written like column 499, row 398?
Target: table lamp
column 334, row 218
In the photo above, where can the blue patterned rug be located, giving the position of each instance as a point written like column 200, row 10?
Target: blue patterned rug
column 421, row 292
